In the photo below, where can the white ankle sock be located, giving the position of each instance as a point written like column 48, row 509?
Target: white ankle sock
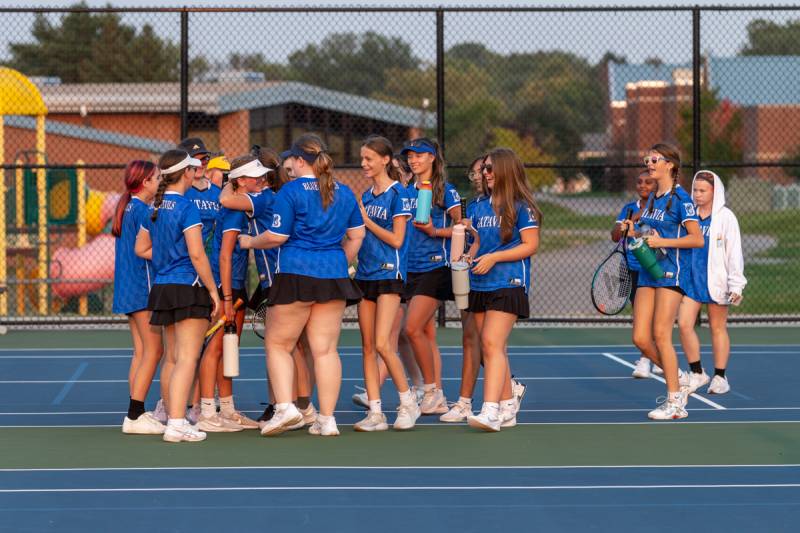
column 508, row 404
column 226, row 406
column 429, row 387
column 375, row 406
column 407, row 397
column 207, row 407
column 674, row 396
column 177, row 422
column 491, row 408
column 464, row 401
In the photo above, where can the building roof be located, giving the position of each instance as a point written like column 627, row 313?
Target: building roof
column 54, row 127
column 745, row 80
column 215, row 98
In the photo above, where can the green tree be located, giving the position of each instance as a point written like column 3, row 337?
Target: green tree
column 257, row 63
column 350, row 62
column 720, row 131
column 528, row 152
column 768, row 38
column 95, row 47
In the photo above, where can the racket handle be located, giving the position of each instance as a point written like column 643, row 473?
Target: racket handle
column 223, row 318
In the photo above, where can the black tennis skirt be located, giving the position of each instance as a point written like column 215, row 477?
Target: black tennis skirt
column 513, row 301
column 372, row 288
column 259, row 295
column 236, row 294
column 290, row 288
column 171, row 303
column 437, row 283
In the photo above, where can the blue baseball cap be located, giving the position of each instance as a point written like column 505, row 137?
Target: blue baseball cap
column 296, row 151
column 419, row 146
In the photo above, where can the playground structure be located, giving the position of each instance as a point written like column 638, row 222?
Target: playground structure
column 67, row 272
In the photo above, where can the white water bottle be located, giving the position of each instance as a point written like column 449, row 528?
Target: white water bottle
column 457, row 243
column 460, row 272
column 230, row 352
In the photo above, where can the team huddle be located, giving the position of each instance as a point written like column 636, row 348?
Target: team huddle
column 186, row 226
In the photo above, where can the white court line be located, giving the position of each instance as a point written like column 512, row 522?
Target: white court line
column 407, row 488
column 558, row 378
column 361, row 467
column 659, row 378
column 344, row 411
column 433, row 424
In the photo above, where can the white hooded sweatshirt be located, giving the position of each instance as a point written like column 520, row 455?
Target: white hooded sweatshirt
column 725, row 260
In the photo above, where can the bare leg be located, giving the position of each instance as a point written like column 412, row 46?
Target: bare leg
column 420, row 311
column 666, row 310
column 720, row 341
column 687, row 318
column 643, row 311
column 323, row 328
column 188, row 342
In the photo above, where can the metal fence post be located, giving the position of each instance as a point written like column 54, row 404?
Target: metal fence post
column 184, row 74
column 696, row 81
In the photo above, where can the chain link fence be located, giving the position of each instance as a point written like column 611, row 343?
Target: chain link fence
column 579, row 93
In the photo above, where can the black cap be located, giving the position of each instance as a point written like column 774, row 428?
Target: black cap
column 194, row 146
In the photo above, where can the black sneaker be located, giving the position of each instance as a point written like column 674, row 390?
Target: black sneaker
column 267, row 414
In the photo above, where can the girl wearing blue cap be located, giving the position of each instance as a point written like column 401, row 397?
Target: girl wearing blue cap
column 506, row 230
column 133, row 277
column 429, row 280
column 184, row 296
column 311, row 217
column 380, row 275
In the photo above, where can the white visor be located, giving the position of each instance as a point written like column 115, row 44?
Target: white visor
column 253, row 169
column 188, row 162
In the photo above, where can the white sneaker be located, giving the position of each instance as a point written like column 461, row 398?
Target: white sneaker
column 193, row 414
column 241, row 419
column 373, row 422
column 518, row 390
column 160, row 412
column 217, row 424
column 146, row 424
column 434, row 403
column 458, row 412
column 642, row 370
column 669, row 410
column 309, row 414
column 657, row 370
column 407, row 415
column 697, row 380
column 360, row 398
column 326, row 429
column 508, row 417
column 281, row 421
column 183, row 433
column 485, row 421
column 719, row 385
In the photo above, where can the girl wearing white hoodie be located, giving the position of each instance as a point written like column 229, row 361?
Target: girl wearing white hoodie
column 717, row 280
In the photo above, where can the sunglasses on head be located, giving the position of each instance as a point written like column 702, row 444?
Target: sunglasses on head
column 653, row 159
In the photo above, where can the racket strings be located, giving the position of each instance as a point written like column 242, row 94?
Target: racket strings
column 259, row 318
column 612, row 285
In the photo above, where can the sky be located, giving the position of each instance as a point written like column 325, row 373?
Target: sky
column 638, row 36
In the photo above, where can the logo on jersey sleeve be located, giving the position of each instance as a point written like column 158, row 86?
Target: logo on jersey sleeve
column 456, row 197
column 689, row 209
column 276, row 221
column 406, row 204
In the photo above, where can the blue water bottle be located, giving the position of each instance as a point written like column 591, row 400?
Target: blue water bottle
column 424, row 202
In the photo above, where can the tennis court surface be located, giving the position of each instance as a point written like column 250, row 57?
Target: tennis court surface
column 584, row 456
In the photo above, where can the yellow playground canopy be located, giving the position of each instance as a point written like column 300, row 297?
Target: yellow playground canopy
column 18, row 96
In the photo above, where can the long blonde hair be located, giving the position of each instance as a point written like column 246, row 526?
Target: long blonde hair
column 510, row 187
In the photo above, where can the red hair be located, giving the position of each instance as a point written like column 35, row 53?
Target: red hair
column 136, row 173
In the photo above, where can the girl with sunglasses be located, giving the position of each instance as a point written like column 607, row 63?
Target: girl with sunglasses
column 717, row 280
column 506, row 230
column 429, row 280
column 670, row 226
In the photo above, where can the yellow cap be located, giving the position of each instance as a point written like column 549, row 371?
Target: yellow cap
column 219, row 162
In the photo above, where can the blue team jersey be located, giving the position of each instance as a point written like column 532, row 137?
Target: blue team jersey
column 376, row 259
column 675, row 262
column 235, row 221
column 207, row 202
column 171, row 260
column 503, row 275
column 428, row 253
column 697, row 287
column 314, row 245
column 634, row 207
column 259, row 222
column 468, row 238
column 133, row 275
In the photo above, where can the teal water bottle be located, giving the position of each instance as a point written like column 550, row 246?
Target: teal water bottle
column 424, row 202
column 646, row 257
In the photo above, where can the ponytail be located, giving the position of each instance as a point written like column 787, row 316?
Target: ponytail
column 168, row 159
column 136, row 172
column 322, row 165
column 158, row 199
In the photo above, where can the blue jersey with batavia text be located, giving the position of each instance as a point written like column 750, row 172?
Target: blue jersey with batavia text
column 376, row 259
column 429, row 253
column 260, row 222
column 230, row 220
column 207, row 202
column 503, row 275
column 634, row 207
column 133, row 275
column 670, row 224
column 697, row 286
column 314, row 245
column 171, row 260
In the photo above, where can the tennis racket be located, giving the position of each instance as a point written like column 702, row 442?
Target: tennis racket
column 212, row 331
column 258, row 319
column 611, row 284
